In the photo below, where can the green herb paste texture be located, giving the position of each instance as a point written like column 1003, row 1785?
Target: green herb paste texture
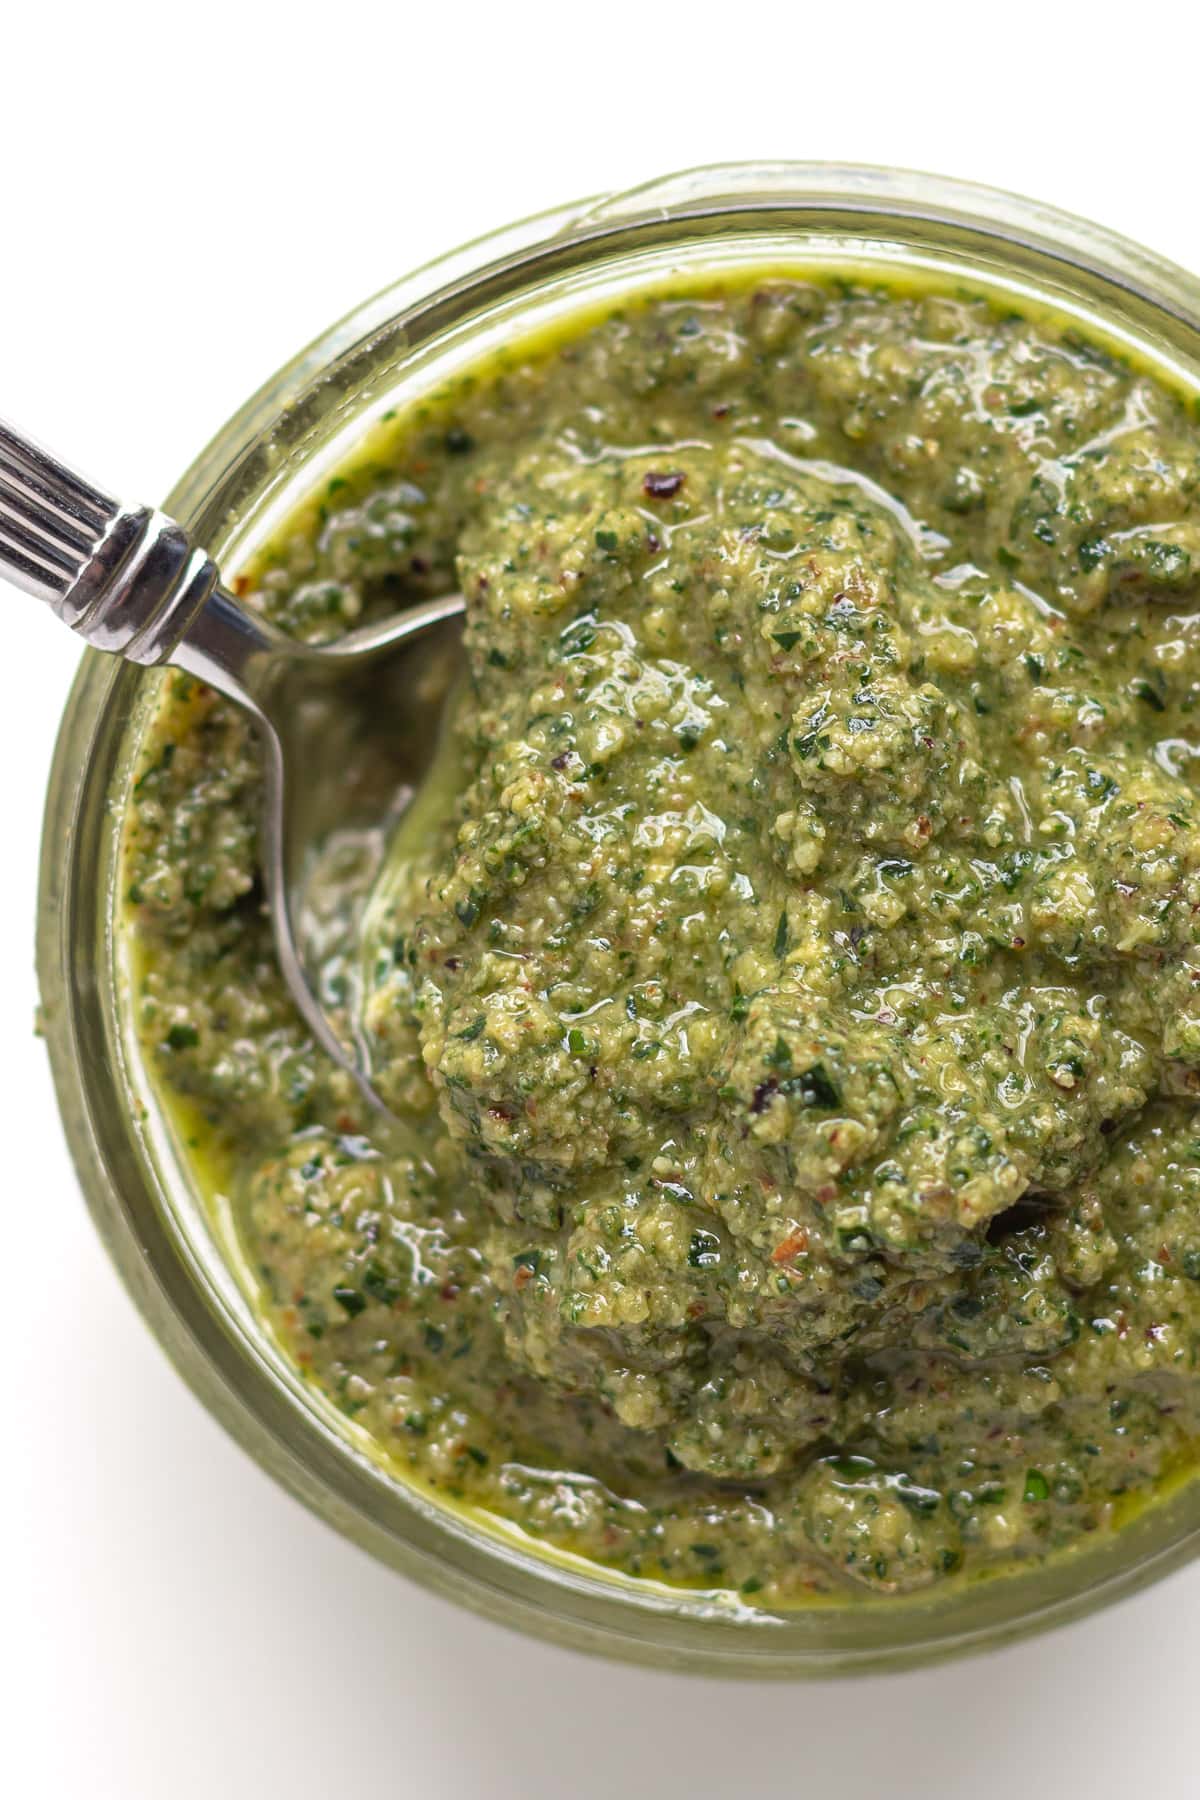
column 790, row 986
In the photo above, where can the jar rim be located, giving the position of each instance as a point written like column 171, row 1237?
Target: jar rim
column 116, row 1145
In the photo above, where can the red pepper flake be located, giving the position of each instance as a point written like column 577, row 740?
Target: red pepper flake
column 662, row 486
column 793, row 1245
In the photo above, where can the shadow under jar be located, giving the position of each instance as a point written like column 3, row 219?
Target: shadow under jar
column 174, row 1242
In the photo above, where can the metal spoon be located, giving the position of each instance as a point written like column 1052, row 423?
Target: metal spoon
column 130, row 581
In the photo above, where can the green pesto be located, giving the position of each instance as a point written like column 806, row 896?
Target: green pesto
column 789, row 988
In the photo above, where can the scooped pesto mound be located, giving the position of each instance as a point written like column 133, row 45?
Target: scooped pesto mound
column 788, row 987
column 752, row 986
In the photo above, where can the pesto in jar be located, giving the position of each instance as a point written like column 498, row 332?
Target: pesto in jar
column 789, row 988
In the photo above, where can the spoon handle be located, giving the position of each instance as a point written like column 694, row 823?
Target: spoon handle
column 125, row 578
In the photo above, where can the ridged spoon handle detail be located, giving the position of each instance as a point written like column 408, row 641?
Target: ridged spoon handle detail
column 126, row 578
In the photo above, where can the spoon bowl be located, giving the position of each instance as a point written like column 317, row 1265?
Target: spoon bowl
column 130, row 582
column 348, row 733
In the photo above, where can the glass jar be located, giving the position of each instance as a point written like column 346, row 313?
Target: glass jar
column 180, row 1262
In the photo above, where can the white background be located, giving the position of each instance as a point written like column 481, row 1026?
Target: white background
column 187, row 195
